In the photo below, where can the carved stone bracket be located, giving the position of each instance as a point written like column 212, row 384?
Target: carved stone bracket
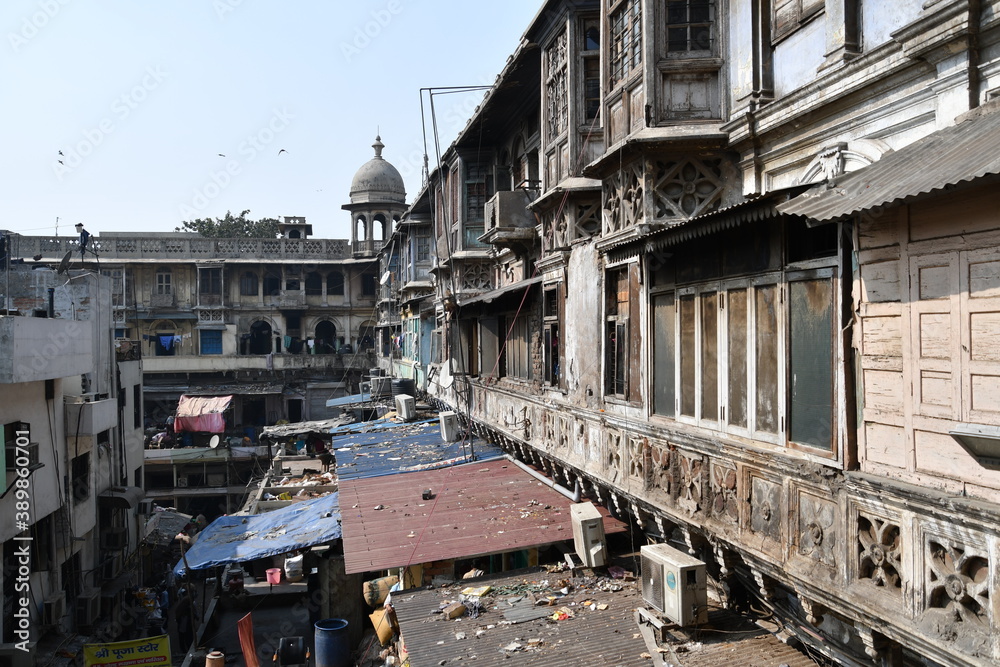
column 764, row 584
column 637, row 513
column 877, row 646
column 814, row 610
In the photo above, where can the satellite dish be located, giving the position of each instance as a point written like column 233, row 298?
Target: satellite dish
column 214, row 442
column 64, row 263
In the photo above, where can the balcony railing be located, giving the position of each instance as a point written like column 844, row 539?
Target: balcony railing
column 169, row 247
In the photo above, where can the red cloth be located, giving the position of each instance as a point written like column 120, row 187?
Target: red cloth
column 201, row 414
column 244, row 628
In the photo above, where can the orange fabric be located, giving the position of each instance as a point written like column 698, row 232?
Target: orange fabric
column 244, row 628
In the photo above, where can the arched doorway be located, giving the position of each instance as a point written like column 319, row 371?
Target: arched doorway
column 260, row 338
column 326, row 337
column 366, row 335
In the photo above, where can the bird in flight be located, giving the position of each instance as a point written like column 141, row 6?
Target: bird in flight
column 221, row 155
column 60, row 153
column 282, row 151
column 61, row 162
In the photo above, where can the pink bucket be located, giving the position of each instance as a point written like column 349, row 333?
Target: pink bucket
column 274, row 575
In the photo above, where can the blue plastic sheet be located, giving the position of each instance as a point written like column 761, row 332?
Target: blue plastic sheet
column 235, row 539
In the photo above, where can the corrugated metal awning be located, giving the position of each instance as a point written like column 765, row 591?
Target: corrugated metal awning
column 968, row 150
column 489, row 297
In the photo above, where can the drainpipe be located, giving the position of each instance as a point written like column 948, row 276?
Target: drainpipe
column 52, row 302
column 975, row 19
column 574, row 495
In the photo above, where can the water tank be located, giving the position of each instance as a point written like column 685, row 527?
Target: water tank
column 404, row 386
column 381, row 387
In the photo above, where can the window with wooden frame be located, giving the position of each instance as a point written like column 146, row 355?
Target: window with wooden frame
column 164, row 282
column 689, row 26
column 624, row 39
column 249, row 284
column 476, row 192
column 621, row 337
column 788, row 15
column 551, row 334
column 556, row 88
column 590, row 60
column 517, row 349
column 752, row 357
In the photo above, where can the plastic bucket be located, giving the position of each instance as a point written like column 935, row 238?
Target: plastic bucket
column 273, row 575
column 333, row 647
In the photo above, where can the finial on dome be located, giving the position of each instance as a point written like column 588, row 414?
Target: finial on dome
column 378, row 146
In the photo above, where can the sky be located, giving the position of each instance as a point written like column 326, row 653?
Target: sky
column 171, row 110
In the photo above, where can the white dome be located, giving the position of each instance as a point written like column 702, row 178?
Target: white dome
column 377, row 181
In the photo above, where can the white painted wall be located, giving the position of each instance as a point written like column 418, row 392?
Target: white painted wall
column 798, row 57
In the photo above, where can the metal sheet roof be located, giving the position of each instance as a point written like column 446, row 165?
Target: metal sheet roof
column 489, row 297
column 592, row 637
column 477, row 509
column 402, row 449
column 967, row 150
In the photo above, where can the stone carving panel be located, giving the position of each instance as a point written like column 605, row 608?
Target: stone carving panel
column 661, row 475
column 725, row 500
column 765, row 507
column 957, row 586
column 690, row 484
column 880, row 552
column 477, row 276
column 613, row 455
column 579, row 439
column 637, row 463
column 817, row 528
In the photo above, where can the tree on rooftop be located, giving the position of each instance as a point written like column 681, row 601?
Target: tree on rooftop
column 232, row 226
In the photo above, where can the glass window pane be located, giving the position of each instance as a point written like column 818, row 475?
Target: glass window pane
column 737, row 337
column 663, row 355
column 810, row 335
column 709, row 356
column 687, row 355
column 766, row 358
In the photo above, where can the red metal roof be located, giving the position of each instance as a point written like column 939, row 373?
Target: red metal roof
column 477, row 509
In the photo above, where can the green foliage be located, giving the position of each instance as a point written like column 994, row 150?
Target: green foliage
column 232, row 226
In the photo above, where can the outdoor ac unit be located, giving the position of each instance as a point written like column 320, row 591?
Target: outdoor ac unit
column 216, row 478
column 182, row 481
column 406, row 407
column 674, row 584
column 449, row 426
column 588, row 534
column 88, row 609
column 109, row 567
column 145, row 507
column 54, row 609
column 114, row 538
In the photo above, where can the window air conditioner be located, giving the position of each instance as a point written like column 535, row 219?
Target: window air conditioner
column 88, row 609
column 449, row 426
column 182, row 482
column 54, row 609
column 588, row 534
column 673, row 583
column 406, row 407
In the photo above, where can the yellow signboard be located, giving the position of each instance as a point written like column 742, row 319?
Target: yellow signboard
column 149, row 651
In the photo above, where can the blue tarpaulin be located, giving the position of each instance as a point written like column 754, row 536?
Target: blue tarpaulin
column 235, row 539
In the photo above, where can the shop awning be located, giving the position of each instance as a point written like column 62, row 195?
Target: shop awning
column 237, row 539
column 202, row 414
column 300, row 428
column 493, row 295
column 122, row 497
column 968, row 150
column 163, row 526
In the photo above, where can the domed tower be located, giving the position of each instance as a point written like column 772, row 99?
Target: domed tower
column 378, row 199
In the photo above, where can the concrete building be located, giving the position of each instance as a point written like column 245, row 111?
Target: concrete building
column 732, row 266
column 72, row 433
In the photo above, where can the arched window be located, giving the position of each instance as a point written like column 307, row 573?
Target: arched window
column 326, row 337
column 314, row 284
column 164, row 338
column 335, row 283
column 272, row 282
column 361, row 228
column 260, row 338
column 366, row 335
column 379, row 230
column 249, row 284
column 294, row 234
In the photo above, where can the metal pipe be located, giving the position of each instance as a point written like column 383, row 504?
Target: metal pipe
column 574, row 495
column 52, row 302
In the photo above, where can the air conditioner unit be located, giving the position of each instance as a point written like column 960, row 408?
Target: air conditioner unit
column 588, row 534
column 145, row 507
column 54, row 609
column 88, row 609
column 182, row 481
column 449, row 426
column 109, row 566
column 216, row 478
column 674, row 583
column 406, row 407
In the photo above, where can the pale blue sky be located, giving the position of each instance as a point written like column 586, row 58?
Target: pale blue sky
column 142, row 96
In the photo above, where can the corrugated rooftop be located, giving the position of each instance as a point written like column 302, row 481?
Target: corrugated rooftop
column 477, row 509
